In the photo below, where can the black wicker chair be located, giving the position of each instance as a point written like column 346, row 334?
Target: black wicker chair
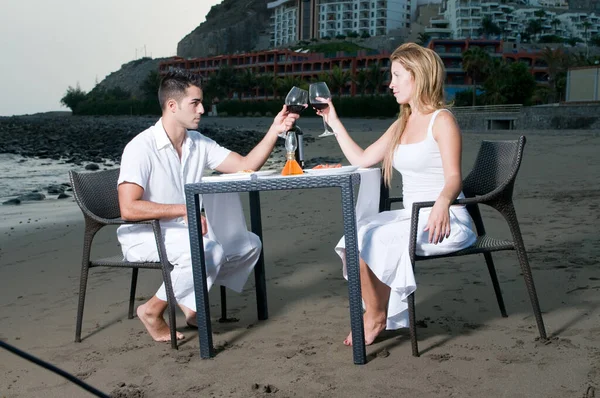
column 96, row 195
column 491, row 182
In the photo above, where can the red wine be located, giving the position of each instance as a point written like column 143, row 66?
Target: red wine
column 319, row 105
column 296, row 108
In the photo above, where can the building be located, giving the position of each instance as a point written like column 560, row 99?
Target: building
column 311, row 66
column 295, row 20
column 585, row 6
column 451, row 51
column 465, row 17
column 364, row 17
column 307, row 67
column 583, row 84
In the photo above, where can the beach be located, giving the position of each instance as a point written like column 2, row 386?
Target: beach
column 467, row 348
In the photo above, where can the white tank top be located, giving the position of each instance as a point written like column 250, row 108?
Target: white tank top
column 421, row 167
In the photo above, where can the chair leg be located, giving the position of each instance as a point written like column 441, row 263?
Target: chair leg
column 171, row 304
column 134, row 276
column 223, row 304
column 495, row 283
column 511, row 216
column 412, row 322
column 82, row 290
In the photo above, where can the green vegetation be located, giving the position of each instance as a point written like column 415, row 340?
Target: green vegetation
column 366, row 106
column 73, row 97
column 241, row 92
column 114, row 101
column 497, row 81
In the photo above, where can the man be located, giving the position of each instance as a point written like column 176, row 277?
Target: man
column 155, row 166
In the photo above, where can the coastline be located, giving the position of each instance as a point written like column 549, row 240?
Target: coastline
column 468, row 349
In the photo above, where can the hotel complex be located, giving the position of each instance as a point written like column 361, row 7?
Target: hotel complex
column 296, row 20
column 453, row 30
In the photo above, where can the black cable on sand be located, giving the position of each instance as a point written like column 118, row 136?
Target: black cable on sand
column 53, row 368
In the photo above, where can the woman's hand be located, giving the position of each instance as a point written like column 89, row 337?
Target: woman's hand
column 438, row 223
column 328, row 114
column 284, row 120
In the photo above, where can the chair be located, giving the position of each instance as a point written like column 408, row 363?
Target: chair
column 96, row 195
column 491, row 182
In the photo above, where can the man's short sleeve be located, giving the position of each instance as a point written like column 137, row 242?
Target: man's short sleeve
column 135, row 165
column 215, row 153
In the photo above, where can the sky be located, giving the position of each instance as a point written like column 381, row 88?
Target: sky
column 48, row 45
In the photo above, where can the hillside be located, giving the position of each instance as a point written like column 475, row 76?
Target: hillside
column 232, row 26
column 130, row 76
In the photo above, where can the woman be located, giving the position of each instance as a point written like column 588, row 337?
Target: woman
column 424, row 145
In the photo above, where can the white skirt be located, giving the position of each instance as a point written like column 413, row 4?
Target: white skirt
column 383, row 244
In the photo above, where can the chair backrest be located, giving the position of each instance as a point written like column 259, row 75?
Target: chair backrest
column 495, row 168
column 96, row 193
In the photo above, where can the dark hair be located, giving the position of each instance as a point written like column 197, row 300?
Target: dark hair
column 174, row 84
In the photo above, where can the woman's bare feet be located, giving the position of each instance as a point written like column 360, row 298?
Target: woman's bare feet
column 190, row 316
column 373, row 326
column 155, row 323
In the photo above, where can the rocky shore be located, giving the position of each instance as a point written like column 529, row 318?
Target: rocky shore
column 95, row 143
column 79, row 139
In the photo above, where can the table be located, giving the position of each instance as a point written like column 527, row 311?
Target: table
column 254, row 186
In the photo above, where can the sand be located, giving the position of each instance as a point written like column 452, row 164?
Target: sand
column 468, row 349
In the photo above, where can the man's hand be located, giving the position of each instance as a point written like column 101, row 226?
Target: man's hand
column 284, row 120
column 203, row 224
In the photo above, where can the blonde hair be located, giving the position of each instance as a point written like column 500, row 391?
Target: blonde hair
column 428, row 72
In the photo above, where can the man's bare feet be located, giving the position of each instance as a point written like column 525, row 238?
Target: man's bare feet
column 373, row 326
column 155, row 324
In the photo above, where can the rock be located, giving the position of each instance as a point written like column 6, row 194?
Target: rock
column 63, row 196
column 55, row 189
column 32, row 196
column 92, row 166
column 15, row 201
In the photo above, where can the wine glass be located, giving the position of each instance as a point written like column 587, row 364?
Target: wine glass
column 321, row 91
column 296, row 101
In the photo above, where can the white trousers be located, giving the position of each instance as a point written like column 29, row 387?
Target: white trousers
column 231, row 272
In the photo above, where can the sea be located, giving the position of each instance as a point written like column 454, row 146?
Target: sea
column 19, row 175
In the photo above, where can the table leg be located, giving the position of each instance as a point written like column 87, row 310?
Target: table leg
column 259, row 268
column 353, row 267
column 199, row 272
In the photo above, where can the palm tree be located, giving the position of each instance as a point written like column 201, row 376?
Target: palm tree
column 361, row 82
column 375, row 77
column 247, row 82
column 534, row 27
column 285, row 84
column 556, row 62
column 423, row 38
column 226, row 79
column 488, row 27
column 495, row 85
column 586, row 26
column 266, row 82
column 555, row 22
column 338, row 80
column 476, row 63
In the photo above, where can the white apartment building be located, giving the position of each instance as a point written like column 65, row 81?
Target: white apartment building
column 294, row 20
column 375, row 17
column 464, row 18
column 578, row 24
column 284, row 22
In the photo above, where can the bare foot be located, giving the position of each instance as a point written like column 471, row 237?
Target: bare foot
column 373, row 326
column 156, row 325
column 190, row 316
